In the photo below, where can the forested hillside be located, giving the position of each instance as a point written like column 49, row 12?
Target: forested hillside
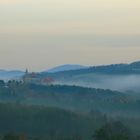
column 69, row 97
column 63, row 112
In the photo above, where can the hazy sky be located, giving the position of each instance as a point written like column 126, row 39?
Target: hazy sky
column 39, row 34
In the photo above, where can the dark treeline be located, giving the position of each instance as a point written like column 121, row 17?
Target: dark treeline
column 45, row 123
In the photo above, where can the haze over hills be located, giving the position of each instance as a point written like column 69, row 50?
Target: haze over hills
column 8, row 75
column 72, row 88
column 122, row 77
column 66, row 67
column 68, row 106
column 74, row 69
column 13, row 74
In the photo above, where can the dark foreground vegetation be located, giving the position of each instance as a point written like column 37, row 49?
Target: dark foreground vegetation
column 110, row 131
column 33, row 122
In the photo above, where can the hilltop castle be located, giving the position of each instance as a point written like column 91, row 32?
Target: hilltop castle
column 36, row 78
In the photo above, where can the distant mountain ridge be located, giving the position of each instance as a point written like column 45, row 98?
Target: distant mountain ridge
column 8, row 75
column 66, row 67
column 112, row 68
column 73, row 69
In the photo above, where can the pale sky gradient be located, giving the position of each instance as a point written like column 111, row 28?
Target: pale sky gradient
column 39, row 34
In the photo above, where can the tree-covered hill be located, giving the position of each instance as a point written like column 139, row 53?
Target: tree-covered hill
column 47, row 122
column 73, row 98
column 56, row 111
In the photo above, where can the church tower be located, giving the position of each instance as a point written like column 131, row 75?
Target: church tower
column 25, row 76
column 26, row 72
